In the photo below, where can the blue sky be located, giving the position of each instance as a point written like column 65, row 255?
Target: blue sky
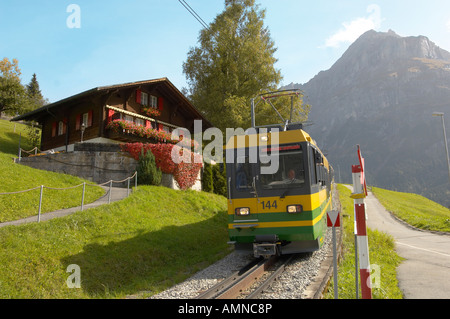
column 126, row 41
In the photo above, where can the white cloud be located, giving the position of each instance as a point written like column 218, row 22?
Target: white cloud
column 353, row 29
column 448, row 25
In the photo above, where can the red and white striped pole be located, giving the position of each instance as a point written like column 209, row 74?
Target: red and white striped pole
column 359, row 193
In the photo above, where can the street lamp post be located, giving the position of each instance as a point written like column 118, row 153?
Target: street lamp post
column 445, row 140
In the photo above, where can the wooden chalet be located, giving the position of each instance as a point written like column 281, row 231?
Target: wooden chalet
column 143, row 111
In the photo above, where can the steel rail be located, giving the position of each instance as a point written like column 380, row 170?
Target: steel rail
column 258, row 291
column 233, row 286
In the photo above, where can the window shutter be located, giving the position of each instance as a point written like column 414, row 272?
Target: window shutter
column 148, row 124
column 110, row 115
column 160, row 127
column 54, row 129
column 138, row 96
column 160, row 103
column 78, row 122
column 64, row 126
column 90, row 113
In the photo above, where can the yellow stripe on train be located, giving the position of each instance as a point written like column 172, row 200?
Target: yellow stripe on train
column 309, row 202
column 301, row 223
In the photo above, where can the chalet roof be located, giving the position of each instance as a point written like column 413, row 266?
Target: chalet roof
column 169, row 89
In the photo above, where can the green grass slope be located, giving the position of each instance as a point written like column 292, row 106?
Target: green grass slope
column 381, row 253
column 15, row 177
column 146, row 242
column 414, row 209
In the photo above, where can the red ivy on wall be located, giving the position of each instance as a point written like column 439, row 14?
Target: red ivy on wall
column 185, row 172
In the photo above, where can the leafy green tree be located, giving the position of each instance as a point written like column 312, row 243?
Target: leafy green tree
column 13, row 98
column 233, row 63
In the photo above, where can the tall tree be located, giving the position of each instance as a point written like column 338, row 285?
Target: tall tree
column 34, row 93
column 232, row 64
column 13, row 97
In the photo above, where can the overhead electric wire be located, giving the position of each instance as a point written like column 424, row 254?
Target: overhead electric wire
column 194, row 14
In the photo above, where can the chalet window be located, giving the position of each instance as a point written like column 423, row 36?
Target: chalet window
column 129, row 118
column 153, row 101
column 61, row 128
column 144, row 99
column 84, row 118
column 140, row 122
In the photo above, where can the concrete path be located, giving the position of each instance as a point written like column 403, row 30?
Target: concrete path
column 425, row 273
column 117, row 193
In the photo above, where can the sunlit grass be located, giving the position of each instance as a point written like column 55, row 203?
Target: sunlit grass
column 414, row 209
column 381, row 253
column 150, row 241
column 16, row 177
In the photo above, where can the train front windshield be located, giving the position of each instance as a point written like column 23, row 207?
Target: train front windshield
column 249, row 177
column 290, row 173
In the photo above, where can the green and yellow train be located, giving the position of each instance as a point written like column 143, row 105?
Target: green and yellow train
column 279, row 191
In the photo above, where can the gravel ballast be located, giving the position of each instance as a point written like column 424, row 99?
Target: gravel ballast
column 290, row 285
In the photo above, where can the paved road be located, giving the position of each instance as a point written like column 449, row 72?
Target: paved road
column 425, row 274
column 117, row 193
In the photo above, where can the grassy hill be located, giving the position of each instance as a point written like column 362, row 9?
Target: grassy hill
column 146, row 242
column 15, row 177
column 414, row 209
column 381, row 252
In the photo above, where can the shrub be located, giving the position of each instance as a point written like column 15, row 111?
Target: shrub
column 185, row 174
column 148, row 173
column 207, row 179
column 219, row 179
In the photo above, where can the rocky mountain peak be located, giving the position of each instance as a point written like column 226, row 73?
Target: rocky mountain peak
column 388, row 50
column 380, row 94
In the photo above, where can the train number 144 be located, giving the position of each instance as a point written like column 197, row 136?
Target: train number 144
column 268, row 204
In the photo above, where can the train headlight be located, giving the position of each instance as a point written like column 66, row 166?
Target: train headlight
column 293, row 209
column 242, row 211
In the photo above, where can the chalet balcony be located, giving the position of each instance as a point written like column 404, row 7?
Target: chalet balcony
column 129, row 132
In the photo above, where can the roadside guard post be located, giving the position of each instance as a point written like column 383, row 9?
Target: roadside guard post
column 359, row 193
column 334, row 220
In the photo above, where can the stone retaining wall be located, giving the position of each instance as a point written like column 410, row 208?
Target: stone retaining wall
column 96, row 162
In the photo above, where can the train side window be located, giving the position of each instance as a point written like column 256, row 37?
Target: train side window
column 312, row 166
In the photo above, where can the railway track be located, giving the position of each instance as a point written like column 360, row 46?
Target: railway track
column 234, row 286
